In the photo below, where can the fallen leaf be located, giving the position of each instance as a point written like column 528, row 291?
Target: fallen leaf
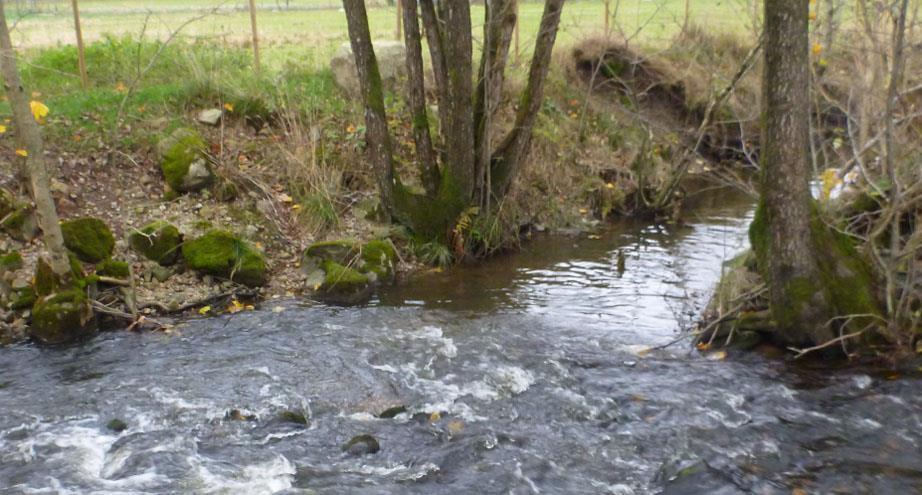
column 229, row 107
column 39, row 110
column 121, row 88
column 234, row 307
column 701, row 346
column 2, row 129
column 22, row 153
column 434, row 417
column 583, row 211
column 204, row 310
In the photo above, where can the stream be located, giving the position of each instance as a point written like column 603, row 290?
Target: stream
column 526, row 374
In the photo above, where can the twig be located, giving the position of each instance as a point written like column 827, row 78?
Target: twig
column 841, row 338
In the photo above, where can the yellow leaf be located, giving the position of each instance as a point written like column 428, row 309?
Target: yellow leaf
column 830, row 179
column 434, row 417
column 259, row 246
column 350, row 129
column 39, row 110
column 609, row 185
column 583, row 211
column 204, row 310
column 812, row 16
column 702, row 346
column 2, row 129
column 249, row 307
column 229, row 107
column 121, row 88
column 817, row 49
column 22, row 153
column 235, row 307
column 295, row 207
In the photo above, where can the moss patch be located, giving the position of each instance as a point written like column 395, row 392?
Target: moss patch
column 88, row 238
column 158, row 241
column 344, row 285
column 114, row 269
column 380, row 258
column 179, row 152
column 62, row 317
column 10, row 261
column 222, row 254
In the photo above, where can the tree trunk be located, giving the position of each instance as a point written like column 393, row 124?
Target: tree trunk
column 457, row 117
column 35, row 166
column 377, row 137
column 416, row 97
column 510, row 154
column 436, row 53
column 499, row 25
column 786, row 196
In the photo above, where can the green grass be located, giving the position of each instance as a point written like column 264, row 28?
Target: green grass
column 310, row 37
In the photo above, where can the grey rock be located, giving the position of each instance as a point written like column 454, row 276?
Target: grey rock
column 391, row 57
column 211, row 116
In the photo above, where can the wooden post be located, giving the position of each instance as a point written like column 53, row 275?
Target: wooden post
column 81, row 58
column 607, row 16
column 515, row 34
column 399, row 20
column 255, row 35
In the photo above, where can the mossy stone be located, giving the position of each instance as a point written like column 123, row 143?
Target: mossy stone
column 344, row 285
column 392, row 412
column 222, row 254
column 362, row 445
column 114, row 269
column 22, row 298
column 11, row 261
column 184, row 162
column 117, row 425
column 157, row 241
column 292, row 417
column 342, row 251
column 379, row 257
column 89, row 238
column 19, row 223
column 62, row 317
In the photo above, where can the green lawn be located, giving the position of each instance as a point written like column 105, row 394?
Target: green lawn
column 310, row 37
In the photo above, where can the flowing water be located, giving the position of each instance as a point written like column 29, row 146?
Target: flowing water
column 533, row 363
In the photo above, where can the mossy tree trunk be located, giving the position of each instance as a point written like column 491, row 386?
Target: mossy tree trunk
column 35, row 167
column 416, row 98
column 380, row 147
column 814, row 274
column 459, row 175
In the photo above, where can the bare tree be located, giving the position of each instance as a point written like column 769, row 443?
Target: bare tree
column 35, row 167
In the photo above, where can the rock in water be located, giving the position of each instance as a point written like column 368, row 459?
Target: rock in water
column 88, row 238
column 212, row 116
column 62, row 317
column 391, row 57
column 362, row 445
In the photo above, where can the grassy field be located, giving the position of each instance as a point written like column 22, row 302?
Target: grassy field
column 310, row 33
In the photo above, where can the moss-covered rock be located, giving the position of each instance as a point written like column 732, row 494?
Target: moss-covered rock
column 157, row 241
column 380, row 258
column 362, row 445
column 343, row 252
column 292, row 417
column 222, row 254
column 117, row 425
column 344, row 285
column 88, row 238
column 184, row 161
column 22, row 298
column 11, row 261
column 62, row 317
column 17, row 219
column 114, row 269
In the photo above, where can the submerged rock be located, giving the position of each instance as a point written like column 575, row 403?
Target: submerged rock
column 392, row 412
column 292, row 417
column 62, row 317
column 222, row 254
column 157, row 241
column 184, row 162
column 344, row 271
column 89, row 238
column 117, row 425
column 362, row 445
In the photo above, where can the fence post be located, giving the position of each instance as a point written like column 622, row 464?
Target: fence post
column 81, row 58
column 255, row 35
column 515, row 34
column 607, row 16
column 399, row 20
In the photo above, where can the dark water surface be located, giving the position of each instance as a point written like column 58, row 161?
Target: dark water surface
column 533, row 361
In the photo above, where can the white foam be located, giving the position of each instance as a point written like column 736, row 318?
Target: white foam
column 263, row 478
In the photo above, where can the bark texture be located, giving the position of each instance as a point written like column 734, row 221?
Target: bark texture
column 512, row 151
column 377, row 137
column 416, row 98
column 35, row 167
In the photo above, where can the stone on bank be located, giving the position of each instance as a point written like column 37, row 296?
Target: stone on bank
column 222, row 254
